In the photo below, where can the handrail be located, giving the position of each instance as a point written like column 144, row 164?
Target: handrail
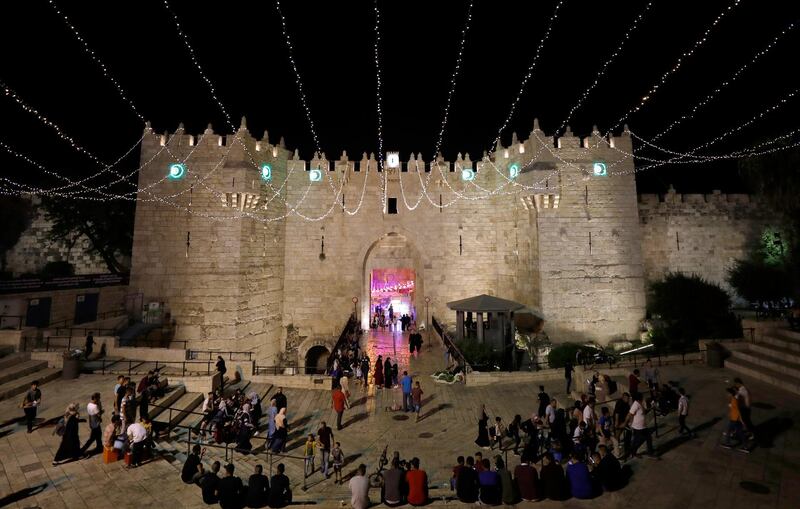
column 281, row 370
column 349, row 327
column 66, row 322
column 452, row 349
column 193, row 354
column 134, row 363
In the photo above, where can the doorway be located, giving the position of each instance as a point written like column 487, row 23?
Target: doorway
column 392, row 294
column 316, row 360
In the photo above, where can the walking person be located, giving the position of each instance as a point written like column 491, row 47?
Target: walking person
column 221, row 369
column 89, row 345
column 325, row 438
column 483, row 430
column 379, row 372
column 416, row 398
column 339, row 403
column 387, row 373
column 137, row 435
column 641, row 434
column 407, row 384
column 30, row 403
column 337, row 458
column 568, row 370
column 67, row 428
column 279, row 437
column 743, row 397
column 94, row 410
column 308, row 453
column 544, row 401
column 735, row 423
column 683, row 412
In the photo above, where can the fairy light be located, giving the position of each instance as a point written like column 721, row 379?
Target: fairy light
column 664, row 77
column 298, row 81
column 97, row 60
column 692, row 111
column 605, row 66
column 454, row 79
column 527, row 77
column 378, row 84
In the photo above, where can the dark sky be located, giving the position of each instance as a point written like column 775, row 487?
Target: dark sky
column 242, row 51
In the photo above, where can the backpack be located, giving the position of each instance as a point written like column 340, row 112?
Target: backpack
column 61, row 427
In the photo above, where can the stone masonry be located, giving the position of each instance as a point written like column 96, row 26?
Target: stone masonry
column 240, row 261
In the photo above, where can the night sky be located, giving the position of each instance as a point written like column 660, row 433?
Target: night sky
column 242, row 50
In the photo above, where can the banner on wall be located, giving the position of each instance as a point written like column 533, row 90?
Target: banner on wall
column 62, row 283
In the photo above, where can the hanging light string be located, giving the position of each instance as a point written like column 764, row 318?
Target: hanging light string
column 694, row 109
column 527, row 78
column 605, row 66
column 678, row 64
column 378, row 84
column 454, row 79
column 298, row 80
column 89, row 51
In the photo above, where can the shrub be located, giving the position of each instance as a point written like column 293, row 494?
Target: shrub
column 561, row 353
column 57, row 269
column 478, row 354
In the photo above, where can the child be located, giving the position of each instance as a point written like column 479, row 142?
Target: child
column 337, row 456
column 499, row 432
column 308, row 452
column 416, row 398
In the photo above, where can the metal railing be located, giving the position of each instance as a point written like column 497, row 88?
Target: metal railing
column 11, row 322
column 212, row 354
column 451, row 347
column 129, row 365
column 68, row 322
column 349, row 328
column 156, row 343
column 81, row 331
column 287, row 370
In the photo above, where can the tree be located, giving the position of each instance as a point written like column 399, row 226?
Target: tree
column 688, row 308
column 17, row 213
column 108, row 226
column 766, row 275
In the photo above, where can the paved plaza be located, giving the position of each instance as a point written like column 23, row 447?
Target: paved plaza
column 691, row 473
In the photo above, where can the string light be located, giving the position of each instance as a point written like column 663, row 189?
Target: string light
column 453, row 79
column 527, row 77
column 697, row 45
column 690, row 114
column 378, row 103
column 607, row 63
column 298, row 81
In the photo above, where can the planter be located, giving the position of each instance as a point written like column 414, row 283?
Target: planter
column 71, row 369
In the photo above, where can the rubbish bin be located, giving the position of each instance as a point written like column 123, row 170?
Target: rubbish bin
column 714, row 355
column 71, row 369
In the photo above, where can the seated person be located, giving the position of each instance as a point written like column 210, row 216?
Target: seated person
column 193, row 468
column 552, row 478
column 257, row 489
column 280, row 493
column 417, row 481
column 393, row 485
column 230, row 489
column 456, row 470
column 607, row 469
column 580, row 480
column 209, row 484
column 527, row 479
column 467, row 483
column 490, row 485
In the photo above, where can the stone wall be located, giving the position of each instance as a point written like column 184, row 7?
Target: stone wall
column 699, row 234
column 34, row 250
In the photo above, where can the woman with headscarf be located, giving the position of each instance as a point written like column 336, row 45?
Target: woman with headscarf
column 387, row 373
column 379, row 372
column 279, row 437
column 272, row 412
column 70, row 448
column 483, row 429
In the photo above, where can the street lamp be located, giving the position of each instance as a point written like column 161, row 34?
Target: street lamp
column 355, row 308
column 427, row 326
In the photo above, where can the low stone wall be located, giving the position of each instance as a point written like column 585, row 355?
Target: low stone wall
column 54, row 359
column 318, row 382
column 11, row 338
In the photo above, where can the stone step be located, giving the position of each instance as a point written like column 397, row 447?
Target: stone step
column 179, row 409
column 786, row 354
column 21, row 369
column 781, row 340
column 772, row 377
column 171, row 397
column 22, row 384
column 14, row 358
column 785, row 366
column 787, row 334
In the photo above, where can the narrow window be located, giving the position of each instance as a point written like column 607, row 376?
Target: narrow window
column 392, row 208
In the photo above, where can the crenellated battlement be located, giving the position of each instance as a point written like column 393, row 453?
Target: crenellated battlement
column 716, row 200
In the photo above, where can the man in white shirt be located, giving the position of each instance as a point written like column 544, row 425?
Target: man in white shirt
column 589, row 417
column 95, row 411
column 683, row 411
column 359, row 488
column 137, row 435
column 208, row 411
column 550, row 412
column 636, row 419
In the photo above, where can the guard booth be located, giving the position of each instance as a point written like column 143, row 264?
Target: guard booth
column 488, row 320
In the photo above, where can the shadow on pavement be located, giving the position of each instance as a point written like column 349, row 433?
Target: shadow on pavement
column 22, row 494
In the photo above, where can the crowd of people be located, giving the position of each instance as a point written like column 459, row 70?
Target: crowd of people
column 231, row 418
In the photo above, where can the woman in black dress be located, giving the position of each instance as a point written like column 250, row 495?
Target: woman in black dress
column 387, row 373
column 70, row 448
column 483, row 430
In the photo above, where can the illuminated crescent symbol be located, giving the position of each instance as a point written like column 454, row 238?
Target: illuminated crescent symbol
column 599, row 169
column 315, row 175
column 513, row 171
column 176, row 171
column 467, row 174
column 266, row 172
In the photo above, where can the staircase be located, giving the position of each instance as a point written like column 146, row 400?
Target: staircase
column 774, row 359
column 17, row 371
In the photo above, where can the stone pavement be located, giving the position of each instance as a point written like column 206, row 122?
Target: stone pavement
column 690, row 474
